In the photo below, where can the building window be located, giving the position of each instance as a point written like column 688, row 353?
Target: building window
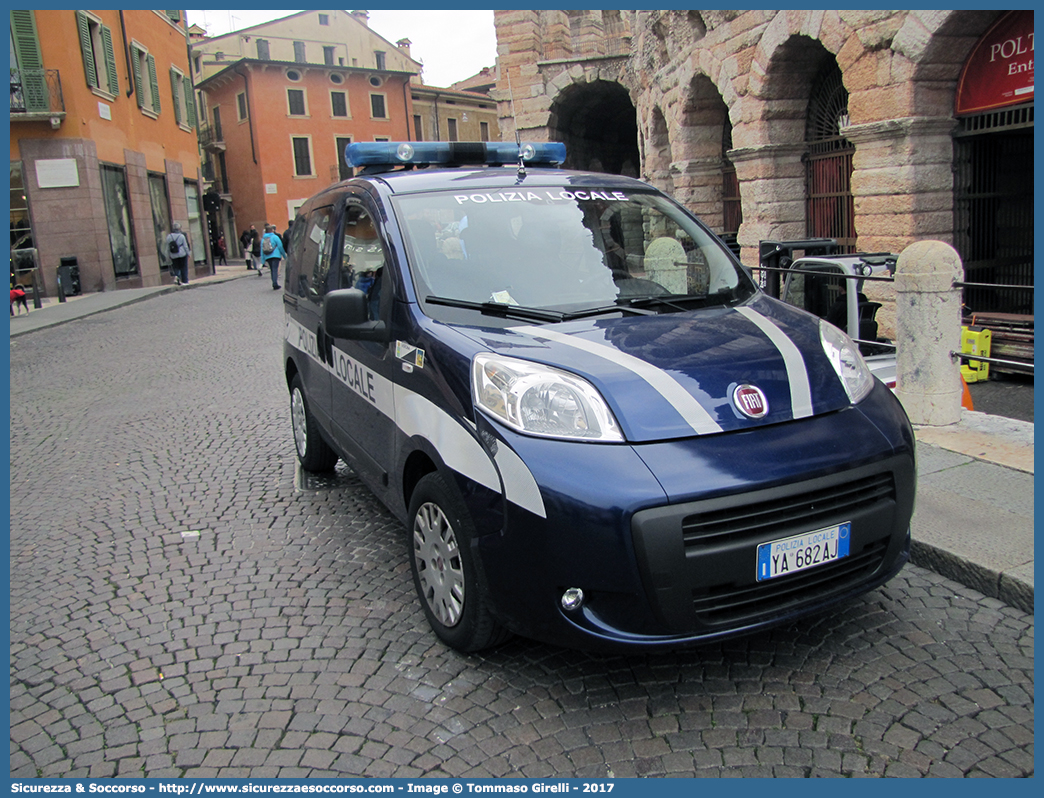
column 336, row 77
column 241, row 106
column 218, row 135
column 117, row 214
column 483, row 131
column 295, row 99
column 338, row 103
column 344, row 171
column 379, row 57
column 146, row 84
column 377, row 109
column 302, row 156
column 198, row 63
column 324, row 19
column 184, row 100
column 294, row 75
column 418, row 129
column 99, row 59
column 328, row 56
column 263, row 52
column 451, row 125
column 381, row 138
column 299, row 52
column 374, row 80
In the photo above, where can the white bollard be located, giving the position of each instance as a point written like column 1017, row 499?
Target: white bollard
column 928, row 329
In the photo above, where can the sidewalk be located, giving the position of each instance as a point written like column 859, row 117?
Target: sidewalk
column 54, row 312
column 973, row 521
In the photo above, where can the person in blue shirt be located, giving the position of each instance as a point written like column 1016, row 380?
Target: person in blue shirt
column 272, row 252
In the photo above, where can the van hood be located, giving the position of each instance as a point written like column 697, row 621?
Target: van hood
column 676, row 375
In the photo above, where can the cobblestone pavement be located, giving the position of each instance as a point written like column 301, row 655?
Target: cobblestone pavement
column 184, row 604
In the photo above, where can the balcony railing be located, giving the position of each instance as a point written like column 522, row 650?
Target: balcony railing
column 36, row 94
column 210, row 138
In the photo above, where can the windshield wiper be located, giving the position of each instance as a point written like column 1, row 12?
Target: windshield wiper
column 498, row 309
column 601, row 311
column 683, row 302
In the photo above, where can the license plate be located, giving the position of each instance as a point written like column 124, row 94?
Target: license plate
column 800, row 552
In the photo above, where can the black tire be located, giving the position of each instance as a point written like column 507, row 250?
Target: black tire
column 451, row 588
column 313, row 452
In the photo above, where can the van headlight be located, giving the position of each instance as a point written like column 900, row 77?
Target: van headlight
column 540, row 400
column 844, row 356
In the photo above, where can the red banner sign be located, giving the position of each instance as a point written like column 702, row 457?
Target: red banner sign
column 999, row 71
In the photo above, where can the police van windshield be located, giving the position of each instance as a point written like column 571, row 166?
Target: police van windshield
column 566, row 250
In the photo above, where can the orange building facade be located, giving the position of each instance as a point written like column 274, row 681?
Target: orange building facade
column 276, row 131
column 104, row 152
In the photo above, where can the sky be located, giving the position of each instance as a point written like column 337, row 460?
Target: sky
column 452, row 45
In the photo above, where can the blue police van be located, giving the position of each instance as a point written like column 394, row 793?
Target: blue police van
column 596, row 429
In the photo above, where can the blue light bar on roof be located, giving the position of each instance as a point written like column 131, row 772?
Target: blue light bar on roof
column 452, row 153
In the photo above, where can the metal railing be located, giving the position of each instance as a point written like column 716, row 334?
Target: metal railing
column 1025, row 366
column 209, row 136
column 36, row 92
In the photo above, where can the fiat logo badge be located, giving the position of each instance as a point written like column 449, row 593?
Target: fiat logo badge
column 750, row 401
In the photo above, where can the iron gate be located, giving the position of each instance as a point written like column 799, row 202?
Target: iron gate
column 993, row 208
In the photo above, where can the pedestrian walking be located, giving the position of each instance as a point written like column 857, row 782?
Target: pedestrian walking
column 221, row 250
column 247, row 240
column 179, row 249
column 273, row 252
column 255, row 249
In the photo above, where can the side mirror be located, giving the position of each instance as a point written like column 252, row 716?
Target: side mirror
column 345, row 315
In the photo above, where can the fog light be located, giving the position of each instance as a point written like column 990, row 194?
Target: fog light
column 572, row 599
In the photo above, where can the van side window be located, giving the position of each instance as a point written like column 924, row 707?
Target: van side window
column 362, row 264
column 311, row 251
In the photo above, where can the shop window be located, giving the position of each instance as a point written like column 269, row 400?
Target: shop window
column 195, row 222
column 118, row 217
column 160, row 216
column 21, row 228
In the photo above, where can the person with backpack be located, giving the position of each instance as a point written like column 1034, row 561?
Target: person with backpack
column 178, row 248
column 272, row 251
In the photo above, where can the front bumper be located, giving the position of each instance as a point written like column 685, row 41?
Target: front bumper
column 662, row 538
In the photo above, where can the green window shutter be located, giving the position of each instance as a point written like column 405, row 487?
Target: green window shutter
column 154, row 83
column 190, row 101
column 110, row 60
column 175, row 86
column 87, row 47
column 136, row 64
column 30, row 61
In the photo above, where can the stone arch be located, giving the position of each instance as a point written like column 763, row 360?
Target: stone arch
column 598, row 124
column 702, row 136
column 657, row 164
